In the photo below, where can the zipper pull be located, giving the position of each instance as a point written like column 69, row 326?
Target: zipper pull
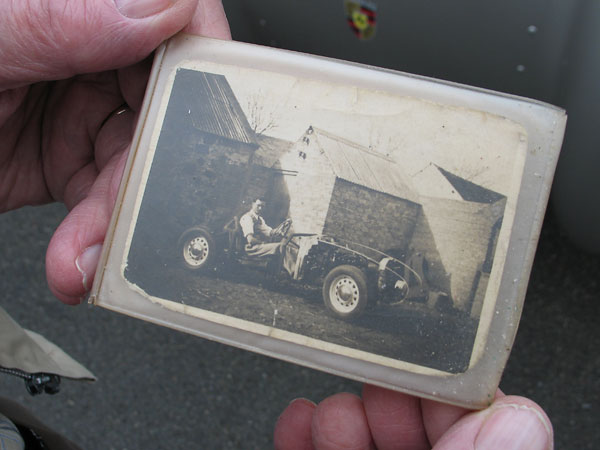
column 36, row 383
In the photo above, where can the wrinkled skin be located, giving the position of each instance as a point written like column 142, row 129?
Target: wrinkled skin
column 59, row 140
column 72, row 80
column 386, row 420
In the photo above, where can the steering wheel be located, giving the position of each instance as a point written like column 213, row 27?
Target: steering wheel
column 282, row 228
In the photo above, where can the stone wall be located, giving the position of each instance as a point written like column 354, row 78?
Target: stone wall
column 207, row 182
column 424, row 244
column 371, row 218
column 192, row 181
column 455, row 237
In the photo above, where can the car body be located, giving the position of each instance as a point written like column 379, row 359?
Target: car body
column 350, row 274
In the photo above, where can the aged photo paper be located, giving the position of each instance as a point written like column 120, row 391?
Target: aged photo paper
column 351, row 220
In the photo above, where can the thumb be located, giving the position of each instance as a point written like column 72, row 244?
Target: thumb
column 511, row 423
column 74, row 250
column 49, row 40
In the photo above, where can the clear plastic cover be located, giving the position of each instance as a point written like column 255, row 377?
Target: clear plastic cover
column 364, row 222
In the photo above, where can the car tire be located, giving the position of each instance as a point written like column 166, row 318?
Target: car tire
column 197, row 249
column 345, row 291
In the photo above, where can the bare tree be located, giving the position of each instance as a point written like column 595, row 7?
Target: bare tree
column 260, row 118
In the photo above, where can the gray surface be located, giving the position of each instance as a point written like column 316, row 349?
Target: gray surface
column 161, row 389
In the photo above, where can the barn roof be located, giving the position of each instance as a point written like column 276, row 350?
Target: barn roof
column 470, row 191
column 430, row 182
column 360, row 165
column 435, row 181
column 213, row 106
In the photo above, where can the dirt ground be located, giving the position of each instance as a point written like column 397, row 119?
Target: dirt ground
column 408, row 331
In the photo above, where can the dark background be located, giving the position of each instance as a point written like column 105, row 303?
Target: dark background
column 158, row 388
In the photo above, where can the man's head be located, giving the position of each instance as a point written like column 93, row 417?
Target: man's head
column 258, row 205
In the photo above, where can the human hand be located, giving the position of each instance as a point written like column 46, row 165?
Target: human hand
column 383, row 419
column 253, row 240
column 282, row 229
column 67, row 140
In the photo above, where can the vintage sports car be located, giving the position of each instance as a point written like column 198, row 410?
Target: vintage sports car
column 351, row 275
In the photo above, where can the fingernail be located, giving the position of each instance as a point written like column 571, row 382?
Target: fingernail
column 86, row 264
column 138, row 9
column 303, row 400
column 515, row 427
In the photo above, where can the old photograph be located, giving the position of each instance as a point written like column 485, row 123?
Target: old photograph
column 337, row 217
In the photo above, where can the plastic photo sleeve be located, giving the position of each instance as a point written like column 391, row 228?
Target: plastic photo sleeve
column 364, row 222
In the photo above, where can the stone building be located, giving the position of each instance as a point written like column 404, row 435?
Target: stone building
column 200, row 168
column 457, row 233
column 333, row 186
column 438, row 221
column 209, row 165
column 204, row 150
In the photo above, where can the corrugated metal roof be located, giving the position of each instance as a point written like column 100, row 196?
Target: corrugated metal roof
column 359, row 165
column 213, row 106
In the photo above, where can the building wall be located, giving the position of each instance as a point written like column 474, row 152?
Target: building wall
column 455, row 236
column 479, row 294
column 265, row 180
column 371, row 218
column 307, row 180
column 308, row 202
column 424, row 244
column 213, row 180
column 192, row 181
column 260, row 185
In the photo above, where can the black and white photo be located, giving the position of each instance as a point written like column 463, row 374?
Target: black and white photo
column 256, row 207
column 360, row 221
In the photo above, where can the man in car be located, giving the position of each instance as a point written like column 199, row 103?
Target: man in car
column 261, row 239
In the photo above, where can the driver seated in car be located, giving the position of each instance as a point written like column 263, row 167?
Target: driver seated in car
column 261, row 239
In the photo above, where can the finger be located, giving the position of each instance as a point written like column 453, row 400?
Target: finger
column 132, row 83
column 80, row 184
column 76, row 110
column 114, row 137
column 293, row 428
column 339, row 423
column 49, row 40
column 395, row 419
column 74, row 249
column 90, row 194
column 511, row 423
column 209, row 20
column 439, row 417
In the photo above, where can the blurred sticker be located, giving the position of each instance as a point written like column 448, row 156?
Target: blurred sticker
column 361, row 16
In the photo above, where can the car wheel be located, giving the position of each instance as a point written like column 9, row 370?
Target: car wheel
column 198, row 249
column 345, row 291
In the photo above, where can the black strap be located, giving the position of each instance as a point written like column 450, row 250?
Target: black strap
column 32, row 440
